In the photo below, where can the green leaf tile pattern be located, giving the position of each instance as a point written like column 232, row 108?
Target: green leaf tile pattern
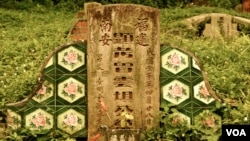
column 60, row 104
column 182, row 86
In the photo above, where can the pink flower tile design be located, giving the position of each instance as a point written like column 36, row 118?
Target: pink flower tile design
column 208, row 121
column 71, row 90
column 45, row 92
column 38, row 120
column 175, row 92
column 13, row 119
column 179, row 118
column 201, row 93
column 71, row 58
column 174, row 61
column 71, row 121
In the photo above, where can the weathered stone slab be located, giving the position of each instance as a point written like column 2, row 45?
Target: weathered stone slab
column 219, row 25
column 123, row 66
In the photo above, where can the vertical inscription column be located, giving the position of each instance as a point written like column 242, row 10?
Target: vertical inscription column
column 123, row 66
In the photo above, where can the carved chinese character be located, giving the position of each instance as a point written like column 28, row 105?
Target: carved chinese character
column 99, row 67
column 149, row 76
column 105, row 73
column 105, row 26
column 150, row 52
column 149, row 84
column 99, row 81
column 93, row 73
column 150, row 68
column 142, row 39
column 142, row 24
column 149, row 108
column 105, row 39
column 149, row 92
column 99, row 57
column 150, row 60
column 100, row 89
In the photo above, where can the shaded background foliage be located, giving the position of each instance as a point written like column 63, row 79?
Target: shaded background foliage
column 76, row 4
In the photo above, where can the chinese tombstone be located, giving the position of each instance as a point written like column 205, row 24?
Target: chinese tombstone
column 123, row 66
column 217, row 25
column 221, row 25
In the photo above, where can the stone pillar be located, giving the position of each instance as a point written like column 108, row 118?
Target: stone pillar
column 123, row 66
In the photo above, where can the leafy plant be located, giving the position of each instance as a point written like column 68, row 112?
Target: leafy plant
column 36, row 135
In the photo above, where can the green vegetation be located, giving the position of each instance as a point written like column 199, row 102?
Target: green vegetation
column 29, row 31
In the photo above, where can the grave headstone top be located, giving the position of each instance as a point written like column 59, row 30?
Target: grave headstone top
column 216, row 24
column 221, row 25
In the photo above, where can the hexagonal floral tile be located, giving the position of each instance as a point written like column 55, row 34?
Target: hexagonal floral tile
column 39, row 120
column 44, row 93
column 175, row 92
column 13, row 119
column 71, row 121
column 208, row 121
column 179, row 118
column 174, row 61
column 71, row 58
column 201, row 93
column 71, row 90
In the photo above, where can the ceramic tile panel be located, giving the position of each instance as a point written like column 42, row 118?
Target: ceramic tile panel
column 71, row 121
column 174, row 61
column 39, row 120
column 182, row 85
column 71, row 90
column 60, row 103
column 71, row 58
column 176, row 92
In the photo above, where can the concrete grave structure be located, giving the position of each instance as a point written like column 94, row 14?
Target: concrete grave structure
column 59, row 99
column 221, row 25
column 79, row 29
column 111, row 86
column 217, row 24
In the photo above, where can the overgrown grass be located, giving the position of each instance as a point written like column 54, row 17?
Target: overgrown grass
column 26, row 38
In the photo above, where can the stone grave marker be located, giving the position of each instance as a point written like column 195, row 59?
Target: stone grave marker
column 221, row 25
column 217, row 24
column 123, row 66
